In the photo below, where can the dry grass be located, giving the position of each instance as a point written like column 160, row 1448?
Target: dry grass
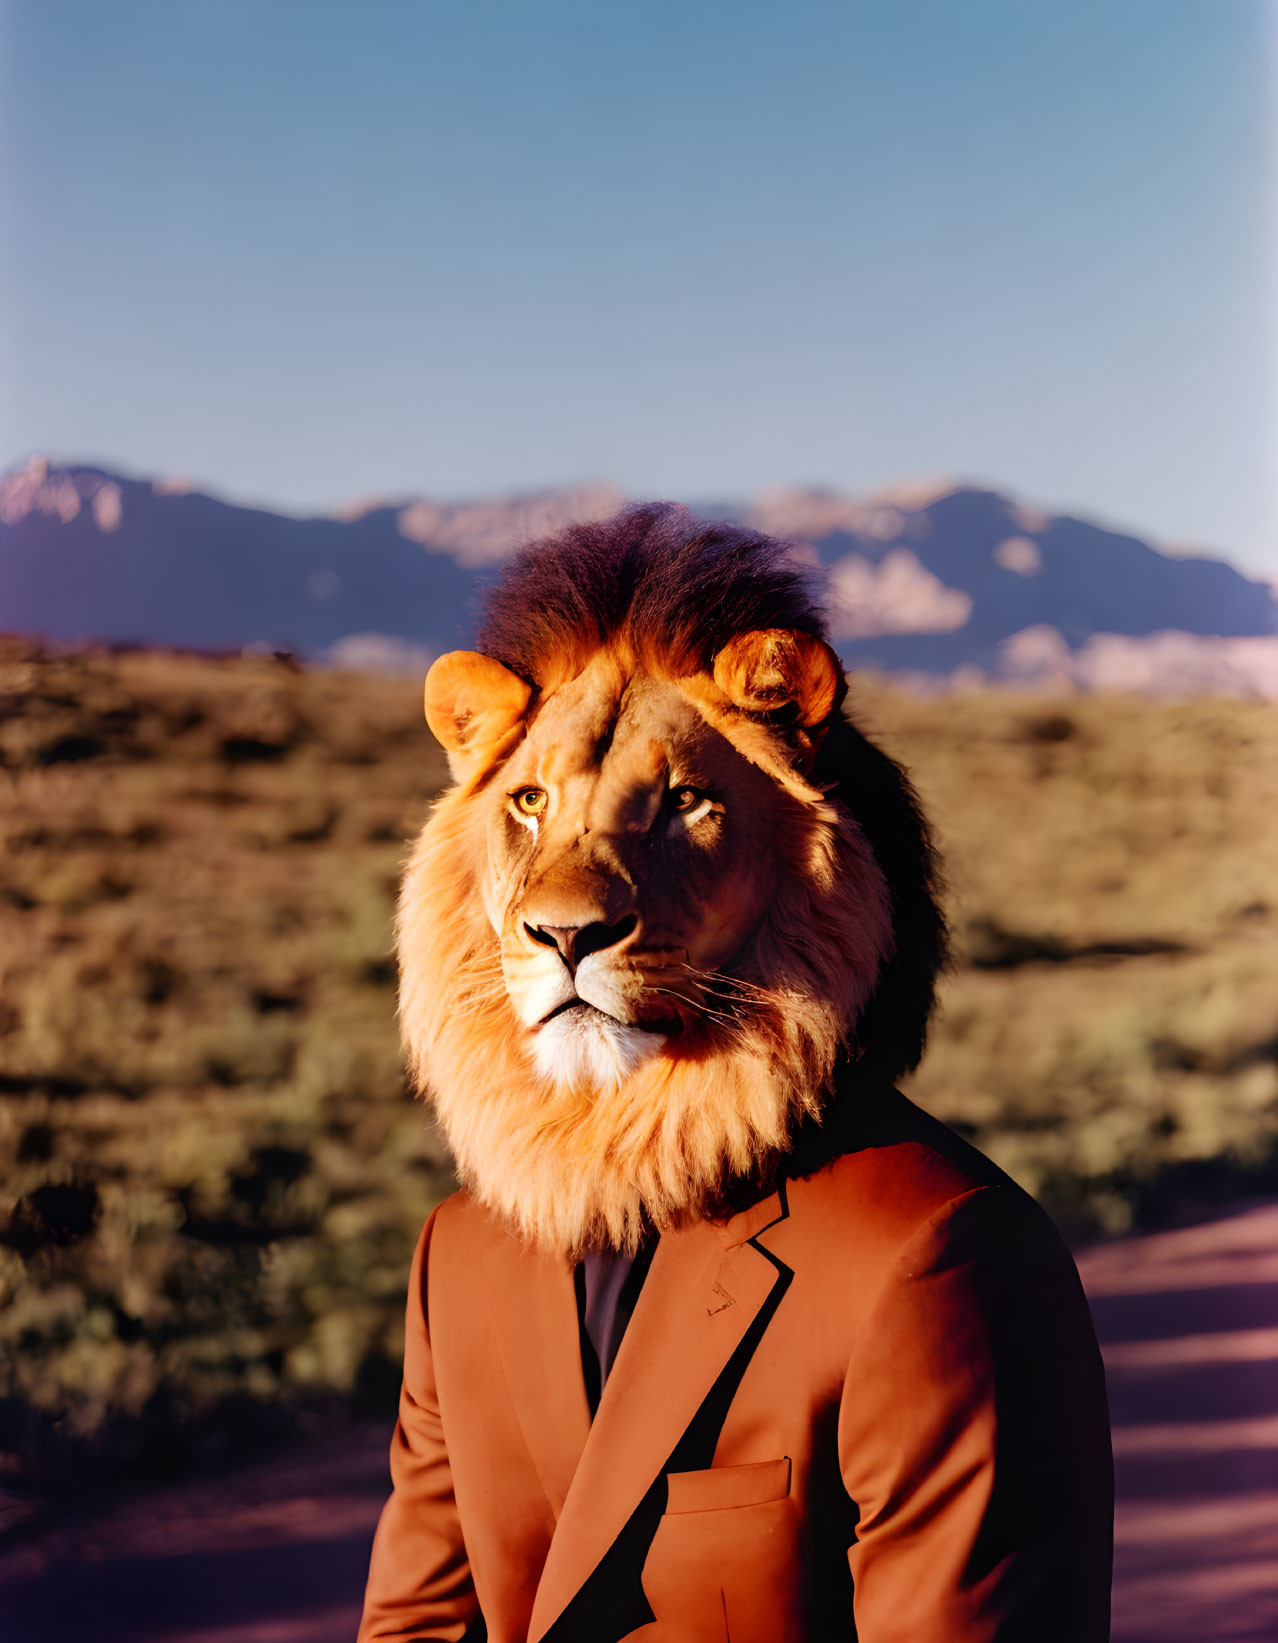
column 1110, row 1034
column 212, row 1172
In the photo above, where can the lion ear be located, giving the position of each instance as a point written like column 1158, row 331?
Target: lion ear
column 473, row 704
column 775, row 669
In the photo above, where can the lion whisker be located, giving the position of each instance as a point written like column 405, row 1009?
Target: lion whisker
column 720, row 983
column 697, row 1005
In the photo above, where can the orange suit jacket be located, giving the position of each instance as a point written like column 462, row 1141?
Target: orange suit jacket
column 869, row 1406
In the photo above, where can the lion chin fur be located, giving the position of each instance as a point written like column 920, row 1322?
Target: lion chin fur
column 601, row 1137
column 587, row 1047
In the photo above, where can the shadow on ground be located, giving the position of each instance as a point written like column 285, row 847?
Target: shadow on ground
column 1189, row 1323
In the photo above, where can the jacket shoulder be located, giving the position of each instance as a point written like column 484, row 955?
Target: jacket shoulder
column 882, row 1169
column 468, row 1230
column 469, row 1243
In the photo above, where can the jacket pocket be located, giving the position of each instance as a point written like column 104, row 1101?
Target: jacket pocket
column 722, row 1487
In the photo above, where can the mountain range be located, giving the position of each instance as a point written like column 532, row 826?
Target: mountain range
column 940, row 583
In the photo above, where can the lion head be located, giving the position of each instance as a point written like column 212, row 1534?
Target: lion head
column 671, row 888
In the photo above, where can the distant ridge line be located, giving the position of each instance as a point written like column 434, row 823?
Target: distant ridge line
column 938, row 583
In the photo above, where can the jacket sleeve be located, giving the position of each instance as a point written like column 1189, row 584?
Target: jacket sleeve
column 974, row 1438
column 419, row 1584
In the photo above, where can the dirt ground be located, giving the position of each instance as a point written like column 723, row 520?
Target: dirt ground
column 1189, row 1324
column 276, row 1552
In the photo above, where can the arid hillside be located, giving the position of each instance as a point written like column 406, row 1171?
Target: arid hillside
column 211, row 1173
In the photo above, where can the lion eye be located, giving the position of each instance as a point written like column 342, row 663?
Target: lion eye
column 530, row 801
column 685, row 798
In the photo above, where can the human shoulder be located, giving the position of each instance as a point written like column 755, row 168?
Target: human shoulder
column 468, row 1246
column 888, row 1181
column 462, row 1228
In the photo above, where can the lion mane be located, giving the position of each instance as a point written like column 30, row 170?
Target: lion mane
column 835, row 982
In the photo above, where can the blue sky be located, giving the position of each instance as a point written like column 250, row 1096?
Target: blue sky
column 301, row 251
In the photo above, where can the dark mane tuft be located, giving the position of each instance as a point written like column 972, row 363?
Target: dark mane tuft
column 891, row 1034
column 654, row 579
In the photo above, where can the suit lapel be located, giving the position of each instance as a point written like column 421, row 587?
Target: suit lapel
column 535, row 1311
column 707, row 1298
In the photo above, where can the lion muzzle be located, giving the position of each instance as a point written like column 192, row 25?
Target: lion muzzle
column 577, row 942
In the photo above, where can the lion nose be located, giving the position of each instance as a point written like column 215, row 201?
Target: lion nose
column 578, row 941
